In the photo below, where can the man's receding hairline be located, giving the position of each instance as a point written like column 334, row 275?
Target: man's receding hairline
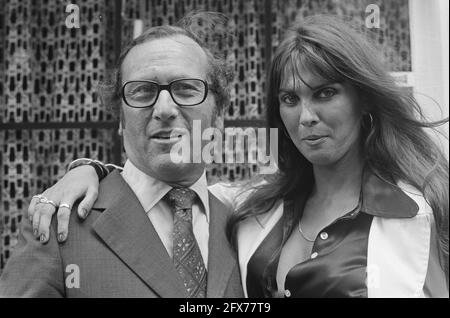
column 171, row 37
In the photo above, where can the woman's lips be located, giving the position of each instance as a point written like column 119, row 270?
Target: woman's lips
column 314, row 140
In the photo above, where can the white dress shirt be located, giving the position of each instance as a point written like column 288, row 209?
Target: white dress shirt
column 150, row 192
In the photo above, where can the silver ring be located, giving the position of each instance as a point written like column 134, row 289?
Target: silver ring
column 43, row 199
column 65, row 205
column 37, row 196
column 51, row 203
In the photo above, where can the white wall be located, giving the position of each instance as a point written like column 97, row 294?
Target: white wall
column 430, row 58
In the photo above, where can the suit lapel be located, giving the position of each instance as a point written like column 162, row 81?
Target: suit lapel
column 221, row 259
column 126, row 229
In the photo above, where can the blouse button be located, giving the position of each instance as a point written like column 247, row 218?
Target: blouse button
column 324, row 235
column 314, row 255
column 287, row 293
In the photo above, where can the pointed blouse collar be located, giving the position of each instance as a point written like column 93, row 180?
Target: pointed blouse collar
column 383, row 199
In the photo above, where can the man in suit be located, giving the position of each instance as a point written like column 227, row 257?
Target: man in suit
column 155, row 230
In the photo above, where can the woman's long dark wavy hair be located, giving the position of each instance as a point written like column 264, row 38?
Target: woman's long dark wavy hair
column 395, row 146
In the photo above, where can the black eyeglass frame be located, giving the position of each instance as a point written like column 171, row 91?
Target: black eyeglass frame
column 166, row 87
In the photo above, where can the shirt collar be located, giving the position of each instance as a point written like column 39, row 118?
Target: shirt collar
column 383, row 199
column 150, row 191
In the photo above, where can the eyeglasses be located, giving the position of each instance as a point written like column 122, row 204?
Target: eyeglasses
column 184, row 92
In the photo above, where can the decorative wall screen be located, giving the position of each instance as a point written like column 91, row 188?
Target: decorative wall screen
column 50, row 114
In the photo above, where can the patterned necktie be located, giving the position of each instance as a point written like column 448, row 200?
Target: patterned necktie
column 187, row 258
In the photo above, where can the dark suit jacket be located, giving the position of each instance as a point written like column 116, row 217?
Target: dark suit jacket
column 115, row 252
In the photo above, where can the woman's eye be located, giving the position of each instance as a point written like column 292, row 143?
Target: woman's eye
column 289, row 99
column 326, row 93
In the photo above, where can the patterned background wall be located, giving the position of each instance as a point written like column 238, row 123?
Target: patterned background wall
column 50, row 114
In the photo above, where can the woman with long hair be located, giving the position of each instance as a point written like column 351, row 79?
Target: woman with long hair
column 359, row 206
column 361, row 186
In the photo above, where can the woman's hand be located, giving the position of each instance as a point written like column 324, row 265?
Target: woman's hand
column 79, row 183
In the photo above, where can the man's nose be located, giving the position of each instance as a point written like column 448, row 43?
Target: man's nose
column 308, row 116
column 165, row 108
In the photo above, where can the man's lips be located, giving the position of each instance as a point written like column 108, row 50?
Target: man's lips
column 167, row 134
column 166, row 137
